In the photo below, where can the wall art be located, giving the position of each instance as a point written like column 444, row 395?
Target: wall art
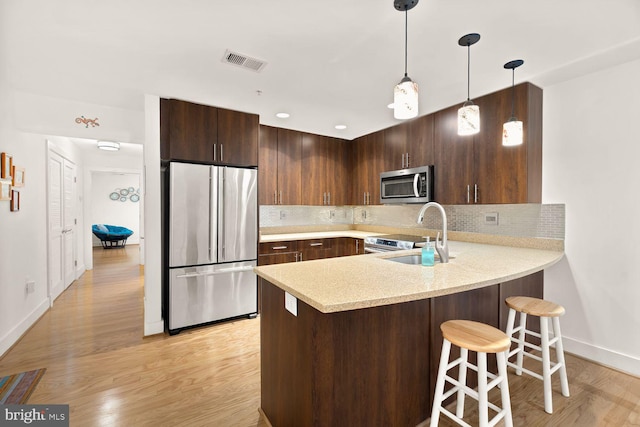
column 86, row 122
column 18, row 176
column 6, row 162
column 15, row 201
column 5, row 190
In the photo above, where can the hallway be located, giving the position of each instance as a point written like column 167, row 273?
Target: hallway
column 98, row 362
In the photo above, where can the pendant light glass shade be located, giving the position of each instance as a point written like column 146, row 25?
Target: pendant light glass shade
column 468, row 119
column 469, row 113
column 405, row 99
column 405, row 93
column 512, row 133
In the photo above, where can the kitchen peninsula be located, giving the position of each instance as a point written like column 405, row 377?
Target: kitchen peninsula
column 359, row 342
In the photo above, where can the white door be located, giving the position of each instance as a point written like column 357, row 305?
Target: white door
column 61, row 224
column 69, row 221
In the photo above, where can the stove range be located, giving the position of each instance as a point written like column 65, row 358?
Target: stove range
column 392, row 242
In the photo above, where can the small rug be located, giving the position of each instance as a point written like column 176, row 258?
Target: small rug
column 16, row 389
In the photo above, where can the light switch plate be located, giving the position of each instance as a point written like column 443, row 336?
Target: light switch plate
column 291, row 303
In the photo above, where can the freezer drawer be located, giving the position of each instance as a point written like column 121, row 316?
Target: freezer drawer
column 213, row 292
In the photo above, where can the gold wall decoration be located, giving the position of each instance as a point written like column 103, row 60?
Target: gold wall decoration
column 87, row 122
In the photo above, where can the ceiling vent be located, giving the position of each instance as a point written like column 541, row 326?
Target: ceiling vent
column 244, row 61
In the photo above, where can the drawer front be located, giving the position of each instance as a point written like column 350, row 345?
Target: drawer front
column 268, row 248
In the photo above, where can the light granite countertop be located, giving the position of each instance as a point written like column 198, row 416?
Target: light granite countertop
column 361, row 281
column 356, row 234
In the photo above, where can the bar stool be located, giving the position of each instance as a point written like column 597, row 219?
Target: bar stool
column 482, row 339
column 546, row 310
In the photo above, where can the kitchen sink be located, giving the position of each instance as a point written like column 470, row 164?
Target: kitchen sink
column 408, row 259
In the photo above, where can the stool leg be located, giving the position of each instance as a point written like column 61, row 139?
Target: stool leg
column 462, row 378
column 546, row 364
column 521, row 338
column 504, row 388
column 483, row 407
column 564, row 383
column 442, row 370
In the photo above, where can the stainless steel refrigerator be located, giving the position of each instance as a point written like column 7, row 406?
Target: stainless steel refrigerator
column 213, row 237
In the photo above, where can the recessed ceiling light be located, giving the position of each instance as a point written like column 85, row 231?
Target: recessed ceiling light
column 108, row 145
column 341, row 127
column 390, row 106
column 283, row 115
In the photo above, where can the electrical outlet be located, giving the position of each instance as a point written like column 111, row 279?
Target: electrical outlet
column 364, row 214
column 291, row 303
column 332, row 214
column 30, row 286
column 283, row 214
column 491, row 218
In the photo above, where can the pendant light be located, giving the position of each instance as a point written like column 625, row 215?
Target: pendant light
column 469, row 113
column 405, row 94
column 512, row 130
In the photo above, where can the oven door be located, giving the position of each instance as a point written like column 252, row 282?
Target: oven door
column 376, row 249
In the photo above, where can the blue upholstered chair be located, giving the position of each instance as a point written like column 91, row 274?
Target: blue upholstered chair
column 111, row 236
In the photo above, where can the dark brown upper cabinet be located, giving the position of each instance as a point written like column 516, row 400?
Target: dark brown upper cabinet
column 280, row 166
column 324, row 170
column 201, row 133
column 478, row 169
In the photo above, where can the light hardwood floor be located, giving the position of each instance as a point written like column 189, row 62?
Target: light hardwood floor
column 99, row 363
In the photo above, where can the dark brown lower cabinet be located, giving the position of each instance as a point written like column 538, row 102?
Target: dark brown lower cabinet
column 374, row 366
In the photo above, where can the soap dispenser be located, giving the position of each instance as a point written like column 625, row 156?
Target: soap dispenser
column 428, row 254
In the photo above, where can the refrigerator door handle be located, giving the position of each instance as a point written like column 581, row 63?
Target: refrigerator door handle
column 210, row 212
column 223, row 176
column 216, row 272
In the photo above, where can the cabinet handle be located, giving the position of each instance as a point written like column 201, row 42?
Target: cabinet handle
column 364, row 198
column 315, row 244
column 300, row 257
column 407, row 159
column 475, row 193
column 296, row 256
column 357, row 246
column 468, row 194
column 324, row 198
column 221, row 152
column 215, row 148
column 275, row 197
column 329, row 198
column 368, row 198
column 402, row 161
column 275, row 248
column 280, row 196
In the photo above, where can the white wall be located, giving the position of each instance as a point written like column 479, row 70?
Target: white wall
column 104, row 210
column 591, row 152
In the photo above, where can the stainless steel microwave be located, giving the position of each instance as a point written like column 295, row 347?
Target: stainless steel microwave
column 413, row 185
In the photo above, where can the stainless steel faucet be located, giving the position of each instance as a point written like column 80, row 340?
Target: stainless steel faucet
column 441, row 246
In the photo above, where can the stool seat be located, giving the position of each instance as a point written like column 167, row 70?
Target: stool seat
column 475, row 336
column 535, row 306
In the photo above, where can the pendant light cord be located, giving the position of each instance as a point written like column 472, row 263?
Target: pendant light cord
column 468, row 71
column 406, row 23
column 513, row 92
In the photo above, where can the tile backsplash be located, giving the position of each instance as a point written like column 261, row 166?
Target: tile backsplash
column 517, row 220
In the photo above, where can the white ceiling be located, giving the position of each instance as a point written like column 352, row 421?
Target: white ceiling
column 329, row 61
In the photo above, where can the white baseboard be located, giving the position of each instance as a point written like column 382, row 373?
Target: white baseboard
column 153, row 328
column 619, row 361
column 14, row 334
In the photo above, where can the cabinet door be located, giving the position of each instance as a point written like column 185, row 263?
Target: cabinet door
column 268, row 166
column 289, row 167
column 396, row 149
column 420, row 141
column 350, row 246
column 280, row 258
column 453, row 174
column 367, row 162
column 314, row 169
column 191, row 130
column 336, row 172
column 502, row 172
column 237, row 138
